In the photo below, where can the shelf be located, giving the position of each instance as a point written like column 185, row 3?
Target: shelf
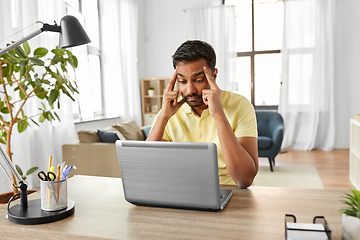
column 155, row 96
column 152, row 104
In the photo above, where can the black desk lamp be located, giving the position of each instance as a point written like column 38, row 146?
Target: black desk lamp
column 71, row 34
column 29, row 212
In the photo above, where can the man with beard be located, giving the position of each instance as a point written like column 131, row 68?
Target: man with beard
column 209, row 115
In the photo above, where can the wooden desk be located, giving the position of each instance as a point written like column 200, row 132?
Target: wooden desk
column 255, row 213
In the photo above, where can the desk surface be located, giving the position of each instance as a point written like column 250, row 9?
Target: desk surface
column 254, row 213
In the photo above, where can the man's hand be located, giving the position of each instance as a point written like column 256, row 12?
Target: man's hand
column 212, row 97
column 170, row 104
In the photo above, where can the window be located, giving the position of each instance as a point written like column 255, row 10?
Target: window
column 259, row 40
column 90, row 102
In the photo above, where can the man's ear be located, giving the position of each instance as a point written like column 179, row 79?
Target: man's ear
column 215, row 74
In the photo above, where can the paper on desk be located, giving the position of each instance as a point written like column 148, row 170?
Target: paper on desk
column 293, row 234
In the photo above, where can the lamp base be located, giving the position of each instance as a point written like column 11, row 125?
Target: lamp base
column 34, row 214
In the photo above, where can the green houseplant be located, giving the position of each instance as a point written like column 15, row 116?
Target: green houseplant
column 351, row 215
column 24, row 76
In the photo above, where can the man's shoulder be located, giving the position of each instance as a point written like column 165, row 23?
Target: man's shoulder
column 234, row 99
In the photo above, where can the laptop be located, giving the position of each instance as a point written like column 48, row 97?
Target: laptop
column 171, row 174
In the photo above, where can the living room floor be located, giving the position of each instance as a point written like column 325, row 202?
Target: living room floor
column 332, row 166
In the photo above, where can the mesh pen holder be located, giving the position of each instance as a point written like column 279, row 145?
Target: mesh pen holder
column 53, row 195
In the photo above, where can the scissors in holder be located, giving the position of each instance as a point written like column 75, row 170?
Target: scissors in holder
column 50, row 176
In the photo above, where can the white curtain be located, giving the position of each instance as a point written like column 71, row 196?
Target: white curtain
column 307, row 93
column 119, row 21
column 33, row 147
column 217, row 26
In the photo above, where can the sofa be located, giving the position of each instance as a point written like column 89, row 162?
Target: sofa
column 95, row 153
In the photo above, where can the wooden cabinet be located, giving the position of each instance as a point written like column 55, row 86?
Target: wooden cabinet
column 152, row 101
column 354, row 168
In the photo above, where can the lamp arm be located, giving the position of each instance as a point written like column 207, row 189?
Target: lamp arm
column 10, row 165
column 24, row 39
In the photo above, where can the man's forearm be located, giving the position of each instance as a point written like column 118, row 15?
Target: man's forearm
column 157, row 131
column 241, row 164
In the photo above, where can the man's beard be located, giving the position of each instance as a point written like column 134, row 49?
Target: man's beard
column 199, row 102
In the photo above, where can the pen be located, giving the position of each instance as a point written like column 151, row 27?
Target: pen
column 58, row 172
column 50, row 162
column 62, row 166
column 66, row 172
column 58, row 179
column 64, row 169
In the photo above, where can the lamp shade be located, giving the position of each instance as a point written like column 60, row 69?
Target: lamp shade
column 72, row 33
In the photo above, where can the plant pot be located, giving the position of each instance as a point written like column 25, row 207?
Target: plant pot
column 350, row 227
column 151, row 92
column 5, row 197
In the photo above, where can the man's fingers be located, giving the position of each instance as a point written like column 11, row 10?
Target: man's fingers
column 171, row 85
column 179, row 103
column 171, row 95
column 210, row 79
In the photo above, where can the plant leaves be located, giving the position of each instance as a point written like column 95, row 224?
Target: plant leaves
column 26, row 48
column 38, row 82
column 35, row 122
column 13, row 57
column 352, row 203
column 53, row 96
column 23, row 63
column 19, row 170
column 22, row 126
column 20, row 52
column 22, row 72
column 5, row 110
column 56, row 76
column 56, row 59
column 76, row 63
column 31, row 170
column 49, row 116
column 37, row 61
column 41, row 52
column 41, row 118
column 57, row 116
column 23, row 113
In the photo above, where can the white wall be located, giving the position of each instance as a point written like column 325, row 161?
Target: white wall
column 347, row 67
column 165, row 30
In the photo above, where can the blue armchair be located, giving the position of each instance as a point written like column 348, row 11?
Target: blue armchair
column 270, row 127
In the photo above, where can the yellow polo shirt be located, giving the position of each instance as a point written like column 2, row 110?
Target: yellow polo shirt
column 187, row 126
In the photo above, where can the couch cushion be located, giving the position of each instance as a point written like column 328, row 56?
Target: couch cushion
column 107, row 136
column 111, row 129
column 88, row 136
column 146, row 129
column 91, row 136
column 130, row 130
column 264, row 142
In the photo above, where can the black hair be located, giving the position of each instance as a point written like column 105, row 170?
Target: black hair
column 194, row 50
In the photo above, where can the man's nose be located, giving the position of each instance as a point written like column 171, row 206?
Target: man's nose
column 190, row 88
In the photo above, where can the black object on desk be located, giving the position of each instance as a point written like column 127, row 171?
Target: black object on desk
column 30, row 212
column 294, row 230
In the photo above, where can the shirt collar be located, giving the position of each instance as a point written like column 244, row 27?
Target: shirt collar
column 187, row 109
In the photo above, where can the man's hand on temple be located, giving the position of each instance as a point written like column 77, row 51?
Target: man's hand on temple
column 212, row 96
column 170, row 104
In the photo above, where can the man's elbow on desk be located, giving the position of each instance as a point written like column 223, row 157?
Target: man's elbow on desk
column 246, row 181
column 244, row 184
